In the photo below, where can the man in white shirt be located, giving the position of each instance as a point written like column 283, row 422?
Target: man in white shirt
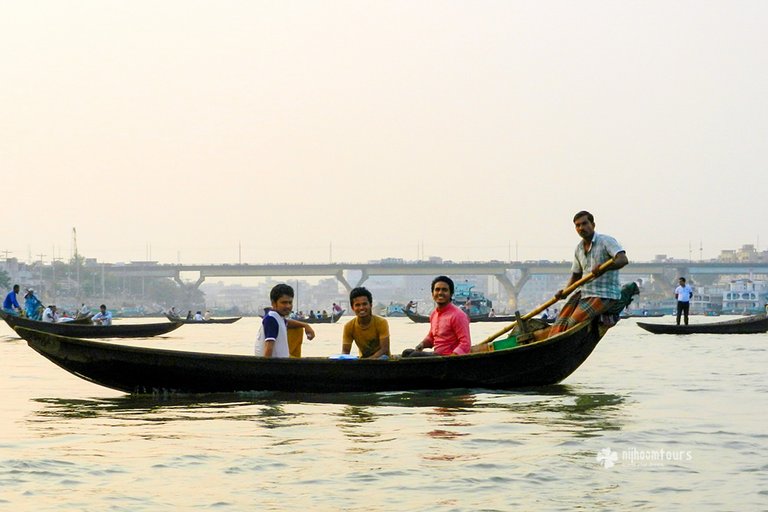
column 49, row 315
column 683, row 294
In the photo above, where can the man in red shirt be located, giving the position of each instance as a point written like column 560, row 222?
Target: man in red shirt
column 448, row 325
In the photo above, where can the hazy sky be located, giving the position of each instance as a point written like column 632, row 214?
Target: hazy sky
column 353, row 130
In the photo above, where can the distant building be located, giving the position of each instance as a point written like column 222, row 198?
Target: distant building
column 745, row 296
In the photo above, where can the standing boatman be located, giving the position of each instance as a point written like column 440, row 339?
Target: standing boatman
column 683, row 294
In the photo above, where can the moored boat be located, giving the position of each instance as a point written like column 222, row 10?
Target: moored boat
column 209, row 321
column 90, row 330
column 424, row 319
column 332, row 319
column 146, row 370
column 749, row 325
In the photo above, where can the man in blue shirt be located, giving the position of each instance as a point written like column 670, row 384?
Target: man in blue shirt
column 103, row 317
column 11, row 302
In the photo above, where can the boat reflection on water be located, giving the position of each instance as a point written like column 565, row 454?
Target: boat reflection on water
column 562, row 407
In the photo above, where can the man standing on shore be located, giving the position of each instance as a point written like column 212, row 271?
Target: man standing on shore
column 683, row 294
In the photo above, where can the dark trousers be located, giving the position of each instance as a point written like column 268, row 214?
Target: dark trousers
column 682, row 308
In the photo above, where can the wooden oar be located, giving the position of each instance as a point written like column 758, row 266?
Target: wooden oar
column 587, row 278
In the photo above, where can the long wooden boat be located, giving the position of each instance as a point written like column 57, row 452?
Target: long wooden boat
column 332, row 319
column 90, row 330
column 143, row 370
column 209, row 321
column 748, row 325
column 424, row 319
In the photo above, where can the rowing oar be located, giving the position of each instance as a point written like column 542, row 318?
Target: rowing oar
column 587, row 278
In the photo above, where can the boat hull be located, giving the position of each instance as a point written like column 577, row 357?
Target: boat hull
column 93, row 331
column 749, row 325
column 145, row 370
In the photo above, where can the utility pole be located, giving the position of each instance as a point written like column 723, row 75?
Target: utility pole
column 76, row 260
column 41, row 271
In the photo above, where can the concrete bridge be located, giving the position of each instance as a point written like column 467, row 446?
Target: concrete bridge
column 512, row 275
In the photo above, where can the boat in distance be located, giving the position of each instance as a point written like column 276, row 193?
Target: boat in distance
column 748, row 325
column 332, row 319
column 90, row 330
column 209, row 321
column 141, row 370
column 424, row 319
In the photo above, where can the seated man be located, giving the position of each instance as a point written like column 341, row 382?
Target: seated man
column 103, row 317
column 50, row 315
column 369, row 332
column 448, row 324
column 11, row 302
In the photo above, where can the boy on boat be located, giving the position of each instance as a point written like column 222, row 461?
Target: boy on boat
column 369, row 332
column 272, row 340
column 448, row 325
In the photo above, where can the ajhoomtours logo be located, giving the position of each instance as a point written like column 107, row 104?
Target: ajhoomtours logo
column 634, row 457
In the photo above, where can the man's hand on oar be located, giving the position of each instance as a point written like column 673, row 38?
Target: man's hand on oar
column 561, row 294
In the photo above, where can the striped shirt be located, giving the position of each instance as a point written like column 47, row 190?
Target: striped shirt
column 603, row 248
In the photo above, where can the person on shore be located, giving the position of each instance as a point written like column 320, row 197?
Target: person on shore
column 600, row 294
column 369, row 332
column 103, row 317
column 32, row 305
column 50, row 315
column 448, row 325
column 11, row 302
column 272, row 340
column 683, row 294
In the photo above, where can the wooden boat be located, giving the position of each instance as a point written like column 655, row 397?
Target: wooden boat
column 424, row 319
column 150, row 370
column 92, row 331
column 330, row 320
column 209, row 321
column 749, row 325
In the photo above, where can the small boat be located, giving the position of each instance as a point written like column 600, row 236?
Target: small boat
column 141, row 370
column 394, row 310
column 327, row 320
column 749, row 325
column 209, row 321
column 424, row 319
column 92, row 331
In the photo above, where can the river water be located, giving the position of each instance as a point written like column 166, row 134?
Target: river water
column 649, row 422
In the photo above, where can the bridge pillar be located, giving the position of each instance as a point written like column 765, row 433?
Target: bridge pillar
column 345, row 283
column 513, row 289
